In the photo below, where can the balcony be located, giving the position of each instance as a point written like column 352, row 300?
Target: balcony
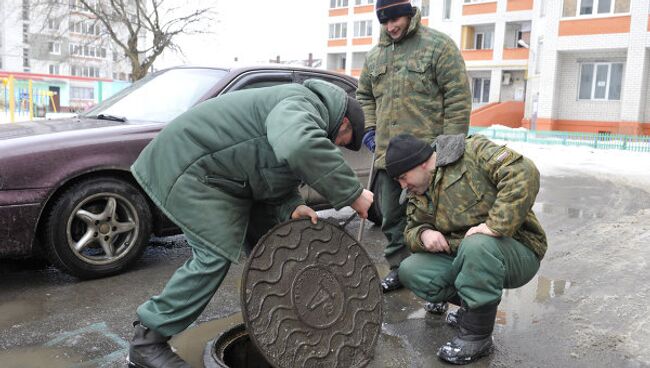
column 596, row 26
column 364, row 9
column 361, row 41
column 476, row 55
column 337, row 42
column 337, row 12
column 515, row 53
column 480, row 8
column 519, row 5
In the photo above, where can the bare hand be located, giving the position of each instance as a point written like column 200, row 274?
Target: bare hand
column 481, row 229
column 305, row 211
column 434, row 241
column 362, row 203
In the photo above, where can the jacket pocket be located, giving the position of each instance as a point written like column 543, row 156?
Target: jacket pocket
column 418, row 77
column 234, row 186
column 377, row 75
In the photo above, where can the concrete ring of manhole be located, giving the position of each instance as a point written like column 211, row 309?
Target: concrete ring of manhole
column 311, row 297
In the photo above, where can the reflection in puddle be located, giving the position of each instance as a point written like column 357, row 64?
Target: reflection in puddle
column 549, row 289
column 570, row 212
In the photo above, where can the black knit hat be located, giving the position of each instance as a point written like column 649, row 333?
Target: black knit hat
column 391, row 9
column 358, row 122
column 405, row 152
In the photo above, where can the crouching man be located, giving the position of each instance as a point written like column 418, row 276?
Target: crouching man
column 471, row 229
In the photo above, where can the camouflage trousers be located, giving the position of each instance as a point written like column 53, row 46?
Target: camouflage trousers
column 479, row 272
column 393, row 218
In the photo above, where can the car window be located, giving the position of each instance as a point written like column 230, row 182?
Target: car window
column 162, row 97
column 259, row 79
column 350, row 89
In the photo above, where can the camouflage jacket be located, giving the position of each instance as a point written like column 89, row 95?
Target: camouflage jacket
column 477, row 182
column 417, row 85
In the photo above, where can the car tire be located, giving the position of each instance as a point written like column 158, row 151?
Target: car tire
column 97, row 227
column 374, row 213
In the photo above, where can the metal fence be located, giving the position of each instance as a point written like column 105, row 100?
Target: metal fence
column 636, row 143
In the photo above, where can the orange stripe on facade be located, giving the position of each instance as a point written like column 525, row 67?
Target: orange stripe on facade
column 481, row 8
column 581, row 27
column 590, row 126
column 362, row 41
column 470, row 55
column 518, row 5
column 363, row 9
column 515, row 54
column 338, row 12
column 356, row 72
column 336, row 43
column 425, row 22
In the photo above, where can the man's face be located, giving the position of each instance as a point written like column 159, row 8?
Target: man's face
column 344, row 137
column 397, row 27
column 416, row 180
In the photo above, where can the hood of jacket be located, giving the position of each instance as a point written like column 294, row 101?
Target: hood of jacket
column 449, row 149
column 334, row 99
column 386, row 40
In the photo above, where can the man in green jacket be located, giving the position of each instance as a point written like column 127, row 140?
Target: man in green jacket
column 227, row 171
column 413, row 81
column 471, row 228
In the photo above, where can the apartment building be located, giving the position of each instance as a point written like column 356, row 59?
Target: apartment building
column 61, row 48
column 572, row 65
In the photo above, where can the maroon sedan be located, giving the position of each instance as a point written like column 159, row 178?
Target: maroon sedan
column 65, row 185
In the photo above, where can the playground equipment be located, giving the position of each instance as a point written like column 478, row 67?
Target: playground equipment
column 23, row 100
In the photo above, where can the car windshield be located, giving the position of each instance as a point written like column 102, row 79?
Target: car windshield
column 159, row 98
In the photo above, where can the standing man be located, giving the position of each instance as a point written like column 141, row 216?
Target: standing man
column 413, row 81
column 226, row 172
column 471, row 228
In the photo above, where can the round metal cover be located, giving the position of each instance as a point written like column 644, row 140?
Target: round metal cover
column 311, row 297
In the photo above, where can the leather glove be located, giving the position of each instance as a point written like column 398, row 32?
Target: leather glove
column 369, row 140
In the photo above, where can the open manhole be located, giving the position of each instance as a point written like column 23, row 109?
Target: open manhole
column 311, row 297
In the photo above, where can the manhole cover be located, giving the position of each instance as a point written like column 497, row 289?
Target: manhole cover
column 311, row 297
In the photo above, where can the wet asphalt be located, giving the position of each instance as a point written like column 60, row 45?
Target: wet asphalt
column 587, row 307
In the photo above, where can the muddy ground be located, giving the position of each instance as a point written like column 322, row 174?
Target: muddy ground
column 588, row 306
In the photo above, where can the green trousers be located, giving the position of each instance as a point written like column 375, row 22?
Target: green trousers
column 394, row 218
column 483, row 267
column 192, row 286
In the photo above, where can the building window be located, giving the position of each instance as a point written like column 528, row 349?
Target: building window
column 25, row 9
column 85, row 71
column 338, row 3
column 483, row 40
column 446, row 10
column 363, row 28
column 338, row 30
column 52, row 24
column 363, row 2
column 26, row 58
column 600, row 81
column 82, row 93
column 424, row 8
column 53, row 69
column 25, row 33
column 480, row 90
column 573, row 8
column 54, row 48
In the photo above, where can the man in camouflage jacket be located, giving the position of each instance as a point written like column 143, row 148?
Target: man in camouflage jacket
column 471, row 229
column 413, row 81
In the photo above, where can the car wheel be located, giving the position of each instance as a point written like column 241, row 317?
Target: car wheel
column 97, row 228
column 374, row 213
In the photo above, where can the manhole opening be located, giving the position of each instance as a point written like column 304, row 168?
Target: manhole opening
column 234, row 349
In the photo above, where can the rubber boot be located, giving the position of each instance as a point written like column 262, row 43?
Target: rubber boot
column 149, row 349
column 474, row 338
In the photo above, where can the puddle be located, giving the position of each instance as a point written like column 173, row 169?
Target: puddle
column 570, row 212
column 39, row 358
column 15, row 312
column 191, row 343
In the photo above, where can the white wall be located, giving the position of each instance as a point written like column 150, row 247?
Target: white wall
column 517, row 83
column 568, row 105
column 646, row 98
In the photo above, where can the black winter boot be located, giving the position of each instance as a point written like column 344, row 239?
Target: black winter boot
column 391, row 281
column 149, row 349
column 474, row 338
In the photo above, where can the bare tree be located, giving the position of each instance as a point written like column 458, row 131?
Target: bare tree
column 141, row 29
